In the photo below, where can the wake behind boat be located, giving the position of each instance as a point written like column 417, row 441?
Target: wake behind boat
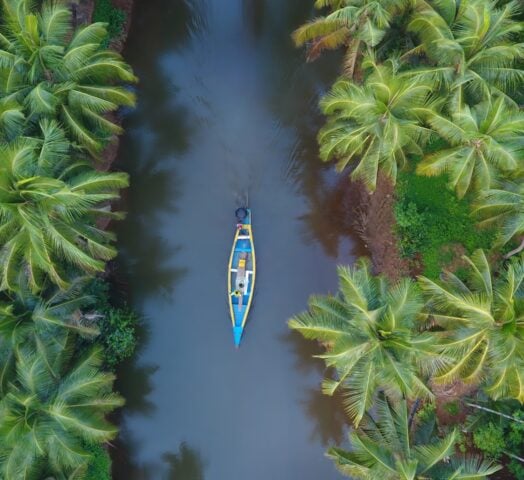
column 241, row 273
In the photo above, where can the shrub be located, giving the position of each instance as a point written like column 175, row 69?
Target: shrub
column 106, row 12
column 98, row 289
column 452, row 408
column 490, row 439
column 99, row 464
column 517, row 469
column 429, row 217
column 119, row 335
column 426, row 412
column 462, row 442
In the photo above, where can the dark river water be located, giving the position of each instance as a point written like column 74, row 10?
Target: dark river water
column 227, row 110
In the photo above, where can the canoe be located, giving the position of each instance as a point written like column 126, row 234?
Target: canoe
column 241, row 273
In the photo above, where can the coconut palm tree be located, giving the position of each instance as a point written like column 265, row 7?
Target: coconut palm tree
column 375, row 124
column 388, row 448
column 369, row 332
column 482, row 319
column 472, row 46
column 25, row 317
column 46, row 418
column 48, row 71
column 48, row 211
column 504, row 207
column 484, row 143
column 353, row 24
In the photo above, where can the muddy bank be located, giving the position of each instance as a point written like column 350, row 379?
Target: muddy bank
column 375, row 222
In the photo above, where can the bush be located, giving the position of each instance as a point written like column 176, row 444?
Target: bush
column 115, row 18
column 119, row 335
column 452, row 408
column 429, row 217
column 98, row 289
column 99, row 464
column 517, row 469
column 426, row 412
column 490, row 439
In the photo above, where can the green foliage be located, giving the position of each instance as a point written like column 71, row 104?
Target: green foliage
column 497, row 435
column 357, row 26
column 99, row 290
column 466, row 135
column 59, row 74
column 374, row 125
column 49, row 205
column 115, row 18
column 461, row 443
column 471, row 49
column 504, row 208
column 369, row 329
column 515, row 435
column 517, row 469
column 430, row 217
column 54, row 406
column 384, row 448
column 99, row 467
column 483, row 145
column 490, row 439
column 453, row 408
column 119, row 335
column 426, row 412
column 57, row 87
column 480, row 329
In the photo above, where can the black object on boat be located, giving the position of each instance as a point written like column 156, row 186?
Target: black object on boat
column 241, row 213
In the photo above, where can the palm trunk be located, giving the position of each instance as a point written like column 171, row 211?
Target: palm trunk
column 351, row 58
column 486, row 409
column 413, row 411
column 512, row 455
column 516, row 250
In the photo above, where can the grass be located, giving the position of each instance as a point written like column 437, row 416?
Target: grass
column 431, row 221
column 115, row 18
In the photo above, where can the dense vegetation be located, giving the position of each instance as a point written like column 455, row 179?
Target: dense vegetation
column 429, row 98
column 59, row 334
column 115, row 18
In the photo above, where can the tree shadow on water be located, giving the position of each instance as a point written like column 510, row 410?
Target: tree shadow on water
column 134, row 380
column 146, row 256
column 187, row 464
column 304, row 351
column 326, row 412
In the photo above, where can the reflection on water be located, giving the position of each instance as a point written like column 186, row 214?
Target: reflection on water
column 184, row 465
column 227, row 110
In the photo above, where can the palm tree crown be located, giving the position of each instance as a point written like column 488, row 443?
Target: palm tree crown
column 354, row 24
column 472, row 47
column 386, row 448
column 45, row 418
column 483, row 321
column 48, row 210
column 368, row 331
column 48, row 72
column 484, row 142
column 376, row 122
column 503, row 206
column 25, row 316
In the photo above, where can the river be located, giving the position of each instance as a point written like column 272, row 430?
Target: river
column 227, row 111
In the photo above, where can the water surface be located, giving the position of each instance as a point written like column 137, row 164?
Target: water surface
column 227, row 112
